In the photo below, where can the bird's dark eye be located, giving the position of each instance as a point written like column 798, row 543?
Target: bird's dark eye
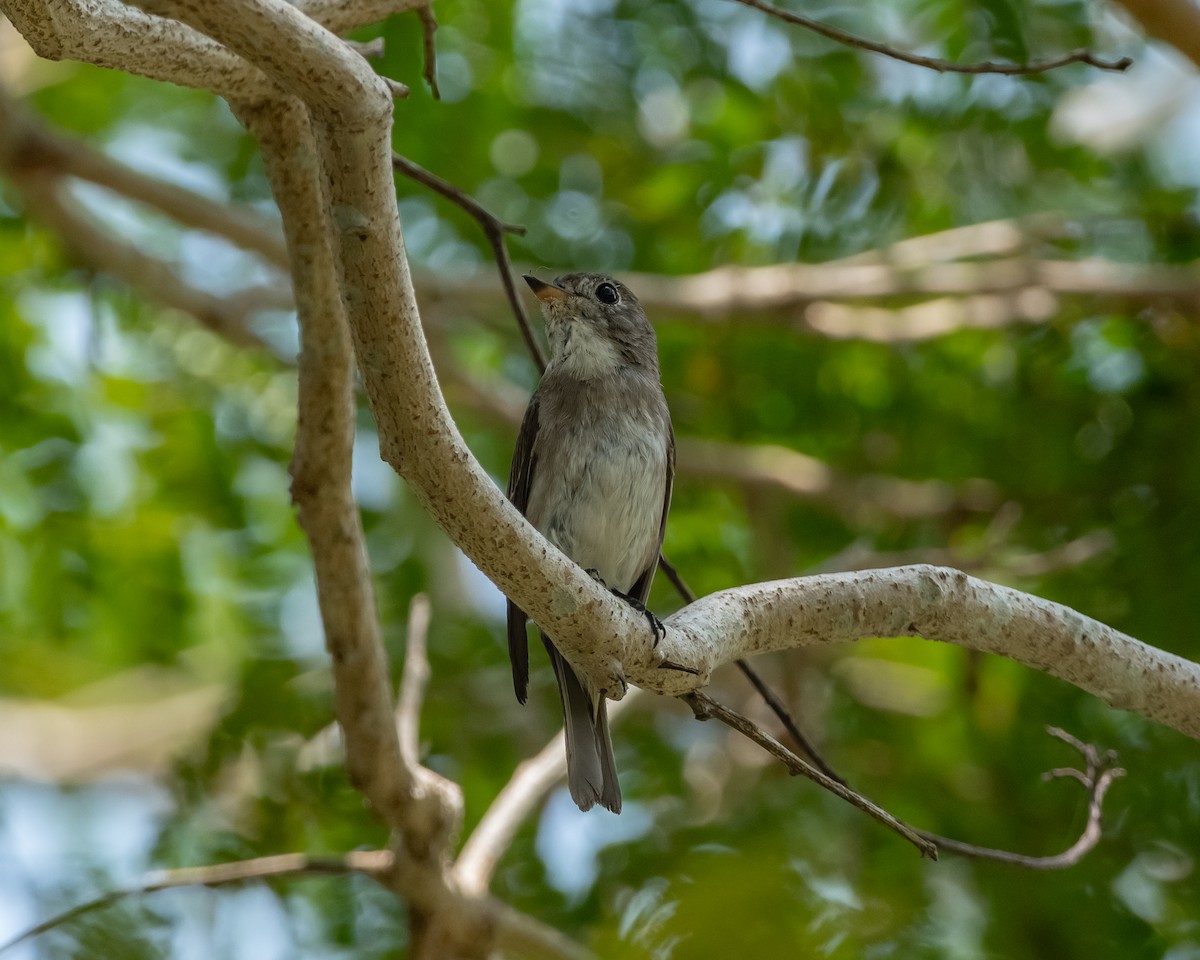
column 607, row 293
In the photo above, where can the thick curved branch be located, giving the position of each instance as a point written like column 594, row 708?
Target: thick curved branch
column 938, row 604
column 138, row 42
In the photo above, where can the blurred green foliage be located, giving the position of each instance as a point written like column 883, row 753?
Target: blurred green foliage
column 144, row 514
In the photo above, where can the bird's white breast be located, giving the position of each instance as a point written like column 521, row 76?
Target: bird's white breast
column 599, row 497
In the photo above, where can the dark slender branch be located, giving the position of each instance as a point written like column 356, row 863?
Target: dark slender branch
column 428, row 34
column 494, row 229
column 705, row 707
column 769, row 697
column 221, row 874
column 934, row 63
column 1096, row 780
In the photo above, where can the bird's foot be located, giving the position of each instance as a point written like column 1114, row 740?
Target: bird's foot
column 595, row 575
column 656, row 625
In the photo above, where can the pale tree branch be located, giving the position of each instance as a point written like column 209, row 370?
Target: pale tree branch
column 136, row 41
column 937, row 604
column 414, row 680
column 935, row 63
column 530, row 782
column 321, row 464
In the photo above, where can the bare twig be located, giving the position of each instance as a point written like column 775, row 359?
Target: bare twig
column 494, row 229
column 705, row 707
column 429, row 44
column 1096, row 779
column 218, row 875
column 934, row 63
column 769, row 696
column 414, row 681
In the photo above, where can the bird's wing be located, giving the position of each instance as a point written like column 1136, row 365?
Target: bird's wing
column 520, row 480
column 641, row 586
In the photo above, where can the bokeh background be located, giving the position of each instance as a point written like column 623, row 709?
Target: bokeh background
column 164, row 696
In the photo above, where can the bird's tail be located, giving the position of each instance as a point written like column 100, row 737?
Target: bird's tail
column 591, row 773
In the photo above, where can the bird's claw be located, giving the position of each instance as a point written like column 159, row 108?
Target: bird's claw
column 656, row 625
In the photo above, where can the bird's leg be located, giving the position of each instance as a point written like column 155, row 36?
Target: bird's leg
column 656, row 625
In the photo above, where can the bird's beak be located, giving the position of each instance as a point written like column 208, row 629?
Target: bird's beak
column 545, row 291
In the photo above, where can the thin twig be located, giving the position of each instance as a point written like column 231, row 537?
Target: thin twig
column 221, row 874
column 428, row 37
column 1096, row 780
column 415, row 679
column 769, row 697
column 706, row 707
column 935, row 63
column 494, row 229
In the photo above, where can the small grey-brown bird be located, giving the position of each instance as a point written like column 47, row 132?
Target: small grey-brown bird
column 593, row 470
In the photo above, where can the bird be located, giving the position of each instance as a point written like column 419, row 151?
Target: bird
column 592, row 471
